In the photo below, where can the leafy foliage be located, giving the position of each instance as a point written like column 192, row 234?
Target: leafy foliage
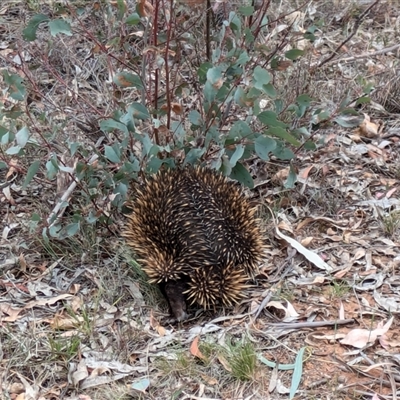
column 237, row 110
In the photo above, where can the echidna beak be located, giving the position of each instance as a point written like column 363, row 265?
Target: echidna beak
column 174, row 293
column 181, row 316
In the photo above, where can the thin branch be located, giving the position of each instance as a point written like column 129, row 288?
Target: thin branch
column 364, row 55
column 356, row 26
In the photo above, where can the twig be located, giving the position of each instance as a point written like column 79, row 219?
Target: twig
column 356, row 26
column 57, row 211
column 314, row 324
column 361, row 56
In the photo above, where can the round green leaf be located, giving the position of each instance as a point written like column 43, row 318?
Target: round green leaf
column 133, row 19
column 126, row 79
column 294, row 54
column 195, row 118
column 22, row 137
column 29, row 33
column 240, row 173
column 263, row 146
column 111, row 154
column 283, row 134
column 291, row 179
column 239, row 130
column 304, row 100
column 269, row 118
column 60, row 26
column 32, row 171
column 237, row 155
column 13, row 150
column 139, row 111
column 261, row 77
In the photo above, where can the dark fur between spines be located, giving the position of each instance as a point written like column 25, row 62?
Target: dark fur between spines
column 192, row 229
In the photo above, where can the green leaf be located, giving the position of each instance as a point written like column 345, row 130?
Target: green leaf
column 270, row 90
column 240, row 173
column 146, row 142
column 363, row 100
column 261, row 77
column 269, row 118
column 320, row 115
column 212, row 134
column 35, row 217
column 3, row 131
column 13, row 150
column 92, row 217
column 154, row 165
column 294, row 54
column 263, row 146
column 141, row 385
column 3, row 165
column 309, row 145
column 279, row 104
column 121, row 4
column 297, row 373
column 310, row 36
column 126, row 79
column 69, row 230
column 237, row 155
column 223, row 94
column 195, row 118
column 22, row 137
column 348, row 122
column 239, row 130
column 54, row 230
column 301, row 132
column 111, row 154
column 240, row 97
column 304, row 100
column 29, row 33
column 246, row 11
column 209, row 93
column 16, row 88
column 214, row 76
column 73, row 147
column 52, row 168
column 34, row 222
column 179, row 132
column 68, row 170
column 283, row 134
column 223, row 165
column 291, row 179
column 351, row 111
column 154, row 150
column 344, row 103
column 60, row 26
column 139, row 111
column 122, row 190
column 108, row 125
column 202, row 72
column 130, row 167
column 242, row 59
column 32, row 171
column 6, row 138
column 368, row 88
column 133, row 19
column 272, row 364
column 193, row 156
column 283, row 153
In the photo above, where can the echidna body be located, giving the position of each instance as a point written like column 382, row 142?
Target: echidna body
column 195, row 233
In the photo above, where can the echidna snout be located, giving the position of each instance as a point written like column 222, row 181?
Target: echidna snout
column 173, row 291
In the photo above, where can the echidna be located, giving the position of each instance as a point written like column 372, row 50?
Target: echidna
column 195, row 233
